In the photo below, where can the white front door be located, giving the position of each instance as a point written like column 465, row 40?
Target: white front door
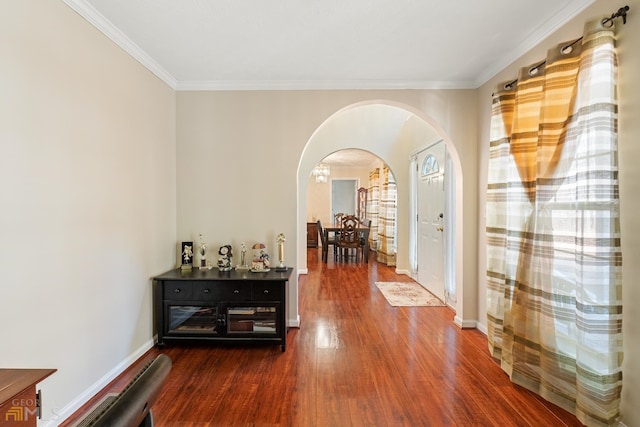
column 430, row 209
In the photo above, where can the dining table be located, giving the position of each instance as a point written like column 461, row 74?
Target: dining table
column 334, row 228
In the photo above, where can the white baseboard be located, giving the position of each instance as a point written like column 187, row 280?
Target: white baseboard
column 303, row 271
column 482, row 327
column 465, row 324
column 96, row 387
column 293, row 323
column 405, row 272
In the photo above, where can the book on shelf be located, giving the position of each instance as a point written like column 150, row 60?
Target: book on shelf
column 195, row 328
column 264, row 326
column 242, row 310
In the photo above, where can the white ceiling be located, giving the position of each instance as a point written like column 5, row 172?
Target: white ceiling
column 326, row 44
column 350, row 158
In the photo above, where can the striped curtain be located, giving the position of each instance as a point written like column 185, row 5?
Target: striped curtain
column 554, row 308
column 373, row 207
column 387, row 220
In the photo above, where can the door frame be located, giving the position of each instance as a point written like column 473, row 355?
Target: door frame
column 449, row 221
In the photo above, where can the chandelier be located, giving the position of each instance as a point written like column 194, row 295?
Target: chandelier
column 321, row 172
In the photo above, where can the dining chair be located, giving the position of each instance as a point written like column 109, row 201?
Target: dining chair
column 337, row 222
column 327, row 241
column 349, row 237
column 364, row 239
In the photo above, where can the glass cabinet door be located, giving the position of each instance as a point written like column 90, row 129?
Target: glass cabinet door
column 191, row 319
column 252, row 320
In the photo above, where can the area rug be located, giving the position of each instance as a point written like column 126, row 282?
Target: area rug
column 408, row 294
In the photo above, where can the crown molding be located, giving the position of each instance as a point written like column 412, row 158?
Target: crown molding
column 567, row 13
column 95, row 18
column 231, row 85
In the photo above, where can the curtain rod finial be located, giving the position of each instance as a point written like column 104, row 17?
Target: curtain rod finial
column 621, row 12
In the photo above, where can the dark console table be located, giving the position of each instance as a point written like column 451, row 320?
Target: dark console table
column 210, row 305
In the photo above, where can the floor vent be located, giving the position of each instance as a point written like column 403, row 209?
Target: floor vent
column 90, row 416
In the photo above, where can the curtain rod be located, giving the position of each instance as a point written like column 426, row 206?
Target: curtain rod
column 622, row 12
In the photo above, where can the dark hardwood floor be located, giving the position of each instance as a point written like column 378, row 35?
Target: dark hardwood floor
column 355, row 361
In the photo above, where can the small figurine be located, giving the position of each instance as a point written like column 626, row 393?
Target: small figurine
column 260, row 260
column 224, row 262
column 203, row 253
column 243, row 257
column 264, row 257
column 187, row 256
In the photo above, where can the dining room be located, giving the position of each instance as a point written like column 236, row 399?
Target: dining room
column 352, row 185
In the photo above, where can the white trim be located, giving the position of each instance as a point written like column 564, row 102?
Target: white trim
column 212, row 85
column 482, row 327
column 465, row 324
column 95, row 18
column 294, row 323
column 302, row 271
column 413, row 216
column 96, row 387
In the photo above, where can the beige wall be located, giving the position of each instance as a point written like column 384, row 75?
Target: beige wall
column 629, row 127
column 244, row 160
column 87, row 178
column 319, row 193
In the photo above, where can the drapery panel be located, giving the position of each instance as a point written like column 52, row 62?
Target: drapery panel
column 387, row 220
column 373, row 207
column 554, row 308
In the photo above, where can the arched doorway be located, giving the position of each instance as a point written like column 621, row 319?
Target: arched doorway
column 356, row 172
column 392, row 132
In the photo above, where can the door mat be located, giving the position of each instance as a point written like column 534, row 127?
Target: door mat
column 408, row 294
